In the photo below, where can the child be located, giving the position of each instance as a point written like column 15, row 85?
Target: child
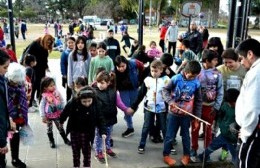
column 126, row 38
column 141, row 55
column 187, row 55
column 228, row 136
column 17, row 107
column 133, row 48
column 84, row 116
column 184, row 92
column 64, row 64
column 128, row 74
column 4, row 116
column 92, row 49
column 154, row 104
column 78, row 84
column 58, row 45
column 215, row 44
column 29, row 62
column 51, row 106
column 78, row 62
column 102, row 60
column 212, row 95
column 109, row 99
column 153, row 52
column 11, row 53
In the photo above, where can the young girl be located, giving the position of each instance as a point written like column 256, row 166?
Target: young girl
column 102, row 60
column 29, row 62
column 78, row 62
column 84, row 116
column 51, row 106
column 153, row 52
column 109, row 99
column 4, row 116
column 17, row 107
column 64, row 64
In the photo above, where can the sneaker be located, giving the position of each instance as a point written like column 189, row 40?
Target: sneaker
column 128, row 132
column 223, row 156
column 201, row 136
column 18, row 163
column 111, row 153
column 169, row 161
column 173, row 151
column 141, row 150
column 185, row 160
column 100, row 157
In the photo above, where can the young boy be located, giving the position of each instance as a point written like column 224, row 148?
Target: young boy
column 92, row 49
column 154, row 104
column 228, row 135
column 187, row 55
column 212, row 95
column 183, row 91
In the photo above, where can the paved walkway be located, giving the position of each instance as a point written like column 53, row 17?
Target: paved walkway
column 40, row 155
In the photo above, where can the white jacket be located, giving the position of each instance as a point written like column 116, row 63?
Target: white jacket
column 248, row 102
column 172, row 33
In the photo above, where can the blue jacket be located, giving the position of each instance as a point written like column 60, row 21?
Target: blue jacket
column 64, row 61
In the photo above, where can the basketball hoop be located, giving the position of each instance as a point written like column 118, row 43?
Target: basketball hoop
column 191, row 9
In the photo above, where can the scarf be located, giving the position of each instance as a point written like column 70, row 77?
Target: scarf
column 17, row 104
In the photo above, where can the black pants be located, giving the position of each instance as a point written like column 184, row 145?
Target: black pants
column 172, row 45
column 2, row 161
column 162, row 45
column 249, row 152
column 15, row 144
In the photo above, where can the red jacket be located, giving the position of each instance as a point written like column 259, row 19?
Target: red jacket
column 163, row 32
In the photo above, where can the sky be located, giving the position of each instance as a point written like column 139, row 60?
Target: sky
column 223, row 5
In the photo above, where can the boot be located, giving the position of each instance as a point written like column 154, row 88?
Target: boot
column 51, row 139
column 65, row 139
column 14, row 145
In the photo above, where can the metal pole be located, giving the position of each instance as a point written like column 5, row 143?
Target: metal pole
column 11, row 23
column 231, row 21
column 150, row 19
column 140, row 22
column 239, row 23
column 246, row 21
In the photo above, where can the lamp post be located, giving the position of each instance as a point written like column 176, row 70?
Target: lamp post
column 11, row 23
column 140, row 22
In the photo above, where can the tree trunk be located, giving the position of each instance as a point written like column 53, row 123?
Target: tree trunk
column 158, row 11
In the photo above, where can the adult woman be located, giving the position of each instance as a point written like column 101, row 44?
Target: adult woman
column 4, row 117
column 40, row 48
column 127, row 82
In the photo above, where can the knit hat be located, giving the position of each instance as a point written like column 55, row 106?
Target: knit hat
column 167, row 59
column 16, row 73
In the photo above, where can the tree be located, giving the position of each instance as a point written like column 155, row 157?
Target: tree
column 255, row 10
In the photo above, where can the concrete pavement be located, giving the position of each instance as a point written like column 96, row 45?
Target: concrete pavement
column 40, row 155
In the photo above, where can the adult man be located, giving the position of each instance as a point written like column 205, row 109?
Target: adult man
column 113, row 47
column 248, row 106
column 171, row 36
column 195, row 38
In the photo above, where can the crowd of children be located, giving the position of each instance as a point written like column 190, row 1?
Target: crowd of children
column 97, row 83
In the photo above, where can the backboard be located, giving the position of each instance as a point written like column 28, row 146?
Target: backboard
column 191, row 9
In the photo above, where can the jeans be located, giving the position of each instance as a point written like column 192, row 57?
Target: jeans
column 128, row 97
column 172, row 45
column 172, row 125
column 220, row 142
column 148, row 123
column 99, row 142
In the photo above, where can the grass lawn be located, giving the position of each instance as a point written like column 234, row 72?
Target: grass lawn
column 36, row 30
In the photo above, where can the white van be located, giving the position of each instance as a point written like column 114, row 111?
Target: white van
column 92, row 20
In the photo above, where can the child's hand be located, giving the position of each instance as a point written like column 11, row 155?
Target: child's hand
column 12, row 124
column 172, row 106
column 104, row 136
column 129, row 111
column 44, row 120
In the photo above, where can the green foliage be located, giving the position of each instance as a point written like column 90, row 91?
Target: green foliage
column 3, row 12
column 28, row 13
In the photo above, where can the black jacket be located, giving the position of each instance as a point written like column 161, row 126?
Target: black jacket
column 113, row 48
column 4, row 116
column 107, row 98
column 83, row 119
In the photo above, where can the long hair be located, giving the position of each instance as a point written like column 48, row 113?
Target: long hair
column 46, row 42
column 84, row 50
